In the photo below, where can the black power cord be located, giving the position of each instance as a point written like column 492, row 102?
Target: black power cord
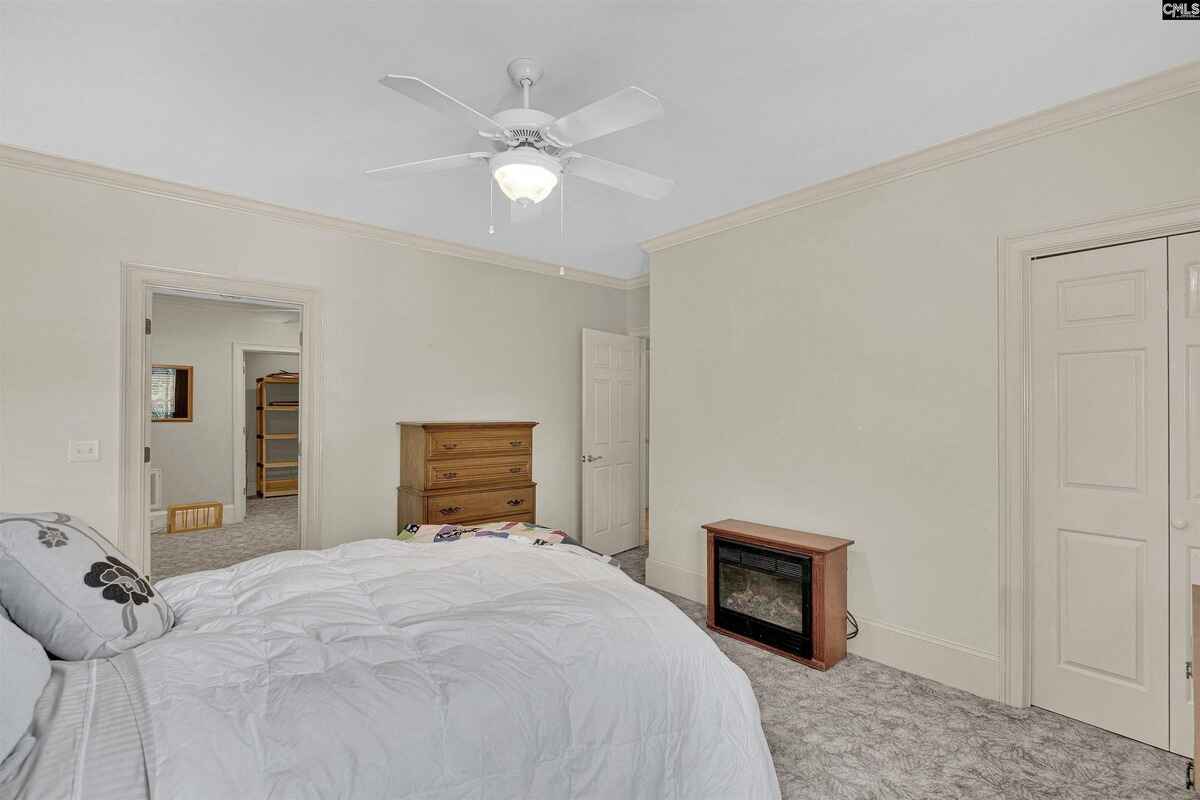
column 853, row 626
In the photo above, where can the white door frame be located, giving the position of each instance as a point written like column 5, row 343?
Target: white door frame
column 1015, row 260
column 240, row 349
column 138, row 282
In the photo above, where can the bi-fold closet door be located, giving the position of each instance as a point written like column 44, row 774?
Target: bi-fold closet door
column 1115, row 484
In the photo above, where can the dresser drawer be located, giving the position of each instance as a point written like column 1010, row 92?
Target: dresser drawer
column 449, row 473
column 459, row 443
column 506, row 518
column 485, row 504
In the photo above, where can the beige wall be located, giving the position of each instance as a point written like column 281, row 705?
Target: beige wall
column 637, row 309
column 197, row 457
column 834, row 369
column 407, row 335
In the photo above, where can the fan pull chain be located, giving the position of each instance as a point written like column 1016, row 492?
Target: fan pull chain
column 562, row 216
column 491, row 206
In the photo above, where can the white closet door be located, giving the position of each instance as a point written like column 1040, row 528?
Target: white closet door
column 1183, row 255
column 1100, row 488
column 611, row 441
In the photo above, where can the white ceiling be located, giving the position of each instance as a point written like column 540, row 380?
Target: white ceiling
column 278, row 100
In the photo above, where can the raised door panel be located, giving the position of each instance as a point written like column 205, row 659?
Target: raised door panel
column 1102, row 421
column 602, row 500
column 600, row 431
column 1102, row 580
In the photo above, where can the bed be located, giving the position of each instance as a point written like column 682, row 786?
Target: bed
column 481, row 668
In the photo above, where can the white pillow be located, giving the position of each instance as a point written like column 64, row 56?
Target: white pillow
column 24, row 670
column 67, row 586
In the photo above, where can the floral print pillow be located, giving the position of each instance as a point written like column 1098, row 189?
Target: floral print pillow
column 70, row 588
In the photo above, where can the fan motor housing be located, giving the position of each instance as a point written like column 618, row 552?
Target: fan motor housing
column 524, row 126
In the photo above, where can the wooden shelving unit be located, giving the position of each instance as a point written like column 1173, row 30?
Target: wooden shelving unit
column 278, row 413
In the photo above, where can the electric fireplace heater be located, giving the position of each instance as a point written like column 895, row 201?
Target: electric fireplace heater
column 765, row 595
column 779, row 589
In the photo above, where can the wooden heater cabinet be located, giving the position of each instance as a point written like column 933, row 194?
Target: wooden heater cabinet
column 806, row 622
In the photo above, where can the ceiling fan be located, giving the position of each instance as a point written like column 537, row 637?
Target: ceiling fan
column 532, row 150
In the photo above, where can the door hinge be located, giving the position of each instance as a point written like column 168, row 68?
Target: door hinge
column 1187, row 669
column 1191, row 775
column 145, row 455
column 147, row 326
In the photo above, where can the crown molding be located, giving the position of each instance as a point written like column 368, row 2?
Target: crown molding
column 1158, row 88
column 34, row 161
column 638, row 281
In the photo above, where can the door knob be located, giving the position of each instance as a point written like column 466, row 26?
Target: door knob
column 1179, row 524
column 590, row 458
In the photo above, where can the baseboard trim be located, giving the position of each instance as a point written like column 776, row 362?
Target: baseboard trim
column 676, row 580
column 947, row 662
column 944, row 661
column 229, row 516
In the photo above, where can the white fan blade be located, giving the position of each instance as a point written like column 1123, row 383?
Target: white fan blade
column 430, row 165
column 628, row 107
column 438, row 100
column 619, row 176
column 519, row 214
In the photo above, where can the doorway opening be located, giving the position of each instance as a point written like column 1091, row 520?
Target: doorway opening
column 225, row 460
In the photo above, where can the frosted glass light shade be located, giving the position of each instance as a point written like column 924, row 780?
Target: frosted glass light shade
column 525, row 178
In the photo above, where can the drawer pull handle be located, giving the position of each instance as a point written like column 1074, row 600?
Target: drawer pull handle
column 449, row 474
column 514, row 469
column 516, row 444
column 449, row 445
column 448, row 510
column 515, row 503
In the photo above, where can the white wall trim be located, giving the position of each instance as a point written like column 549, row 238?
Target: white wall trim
column 676, row 580
column 1164, row 86
column 138, row 281
column 1014, row 265
column 238, row 382
column 638, row 281
column 34, row 161
column 941, row 660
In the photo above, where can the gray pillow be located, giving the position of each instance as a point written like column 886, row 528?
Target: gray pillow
column 68, row 587
column 24, row 670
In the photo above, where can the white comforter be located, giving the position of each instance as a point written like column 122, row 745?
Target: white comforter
column 476, row 669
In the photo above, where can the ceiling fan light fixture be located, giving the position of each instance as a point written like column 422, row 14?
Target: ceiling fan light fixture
column 526, row 176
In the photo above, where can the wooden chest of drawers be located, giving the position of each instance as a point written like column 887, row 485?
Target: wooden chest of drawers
column 466, row 472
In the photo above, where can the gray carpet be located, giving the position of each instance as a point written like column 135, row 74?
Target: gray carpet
column 865, row 730
column 271, row 524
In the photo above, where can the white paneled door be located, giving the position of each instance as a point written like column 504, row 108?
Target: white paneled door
column 1100, row 488
column 611, row 471
column 1183, row 257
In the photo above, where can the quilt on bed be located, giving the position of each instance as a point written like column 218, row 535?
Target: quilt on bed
column 477, row 669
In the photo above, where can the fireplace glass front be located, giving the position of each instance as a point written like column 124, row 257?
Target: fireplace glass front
column 765, row 595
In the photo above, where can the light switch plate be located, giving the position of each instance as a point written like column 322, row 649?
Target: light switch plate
column 83, row 450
